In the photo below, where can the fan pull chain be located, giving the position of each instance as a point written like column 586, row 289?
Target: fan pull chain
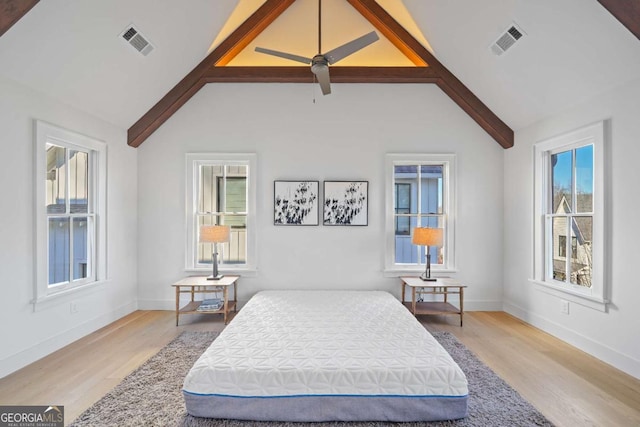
column 313, row 89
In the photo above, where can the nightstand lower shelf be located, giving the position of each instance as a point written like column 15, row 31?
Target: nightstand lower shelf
column 432, row 307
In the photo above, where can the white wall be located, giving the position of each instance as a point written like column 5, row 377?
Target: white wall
column 342, row 136
column 612, row 336
column 25, row 334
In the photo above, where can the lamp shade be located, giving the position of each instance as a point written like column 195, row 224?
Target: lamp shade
column 425, row 236
column 214, row 233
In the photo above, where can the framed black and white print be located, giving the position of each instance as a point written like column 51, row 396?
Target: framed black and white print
column 346, row 202
column 296, row 202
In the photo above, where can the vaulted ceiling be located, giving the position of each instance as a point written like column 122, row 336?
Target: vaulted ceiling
column 70, row 50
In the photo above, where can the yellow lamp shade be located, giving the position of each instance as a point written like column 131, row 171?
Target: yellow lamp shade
column 214, row 233
column 426, row 236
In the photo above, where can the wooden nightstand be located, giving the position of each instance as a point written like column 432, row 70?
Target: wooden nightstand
column 443, row 287
column 200, row 285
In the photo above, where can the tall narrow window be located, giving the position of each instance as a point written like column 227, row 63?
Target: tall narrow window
column 220, row 192
column 419, row 194
column 71, row 172
column 570, row 239
column 569, row 218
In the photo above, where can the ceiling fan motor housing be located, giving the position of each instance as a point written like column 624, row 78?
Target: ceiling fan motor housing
column 319, row 63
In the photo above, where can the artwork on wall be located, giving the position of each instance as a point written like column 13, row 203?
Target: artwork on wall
column 295, row 202
column 346, row 202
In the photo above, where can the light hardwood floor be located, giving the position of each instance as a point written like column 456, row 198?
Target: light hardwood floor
column 568, row 386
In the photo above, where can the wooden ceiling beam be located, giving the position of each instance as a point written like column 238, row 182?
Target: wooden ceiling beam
column 625, row 11
column 304, row 75
column 453, row 87
column 212, row 69
column 11, row 11
column 192, row 82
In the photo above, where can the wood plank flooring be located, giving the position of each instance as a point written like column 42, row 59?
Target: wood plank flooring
column 568, row 386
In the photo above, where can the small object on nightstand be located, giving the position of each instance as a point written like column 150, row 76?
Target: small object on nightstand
column 425, row 236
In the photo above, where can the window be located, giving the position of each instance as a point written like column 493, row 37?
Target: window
column 221, row 191
column 70, row 223
column 419, row 192
column 569, row 237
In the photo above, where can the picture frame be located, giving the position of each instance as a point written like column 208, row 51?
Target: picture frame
column 296, row 202
column 346, row 203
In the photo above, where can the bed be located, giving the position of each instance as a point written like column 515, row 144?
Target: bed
column 325, row 356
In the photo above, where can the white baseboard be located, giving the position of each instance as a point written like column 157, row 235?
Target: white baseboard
column 598, row 350
column 480, row 305
column 157, row 304
column 25, row 357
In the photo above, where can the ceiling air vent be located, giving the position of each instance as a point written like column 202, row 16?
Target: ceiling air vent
column 139, row 42
column 507, row 39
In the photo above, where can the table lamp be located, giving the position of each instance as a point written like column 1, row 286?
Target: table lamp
column 215, row 234
column 425, row 236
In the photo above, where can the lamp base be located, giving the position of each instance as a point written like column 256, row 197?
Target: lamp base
column 218, row 277
column 427, row 279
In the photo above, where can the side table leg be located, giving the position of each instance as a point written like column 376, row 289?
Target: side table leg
column 225, row 297
column 177, row 304
column 413, row 300
column 235, row 296
column 461, row 305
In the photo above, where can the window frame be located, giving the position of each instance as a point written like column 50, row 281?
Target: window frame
column 596, row 296
column 97, row 188
column 448, row 162
column 192, row 166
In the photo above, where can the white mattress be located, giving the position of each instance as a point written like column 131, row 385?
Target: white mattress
column 298, row 351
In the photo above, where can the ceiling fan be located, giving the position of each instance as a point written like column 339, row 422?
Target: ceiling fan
column 320, row 62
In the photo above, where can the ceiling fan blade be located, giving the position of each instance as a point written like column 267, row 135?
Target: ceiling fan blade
column 322, row 73
column 284, row 55
column 353, row 46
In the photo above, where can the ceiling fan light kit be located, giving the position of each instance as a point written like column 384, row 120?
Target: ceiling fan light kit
column 320, row 62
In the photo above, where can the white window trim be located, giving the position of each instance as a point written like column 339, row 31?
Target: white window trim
column 193, row 161
column 597, row 296
column 392, row 269
column 44, row 133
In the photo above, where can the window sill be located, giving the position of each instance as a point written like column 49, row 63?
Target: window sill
column 570, row 295
column 53, row 299
column 244, row 272
column 399, row 272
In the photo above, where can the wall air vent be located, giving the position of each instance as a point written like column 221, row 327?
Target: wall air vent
column 139, row 42
column 507, row 39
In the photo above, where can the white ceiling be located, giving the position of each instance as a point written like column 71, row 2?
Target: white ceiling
column 71, row 50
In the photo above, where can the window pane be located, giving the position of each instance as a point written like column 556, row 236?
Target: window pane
column 559, row 236
column 584, row 179
column 407, row 175
column 235, row 191
column 581, row 231
column 56, row 179
column 78, row 181
column 208, row 193
column 562, row 169
column 405, row 251
column 403, row 206
column 431, row 176
column 81, row 247
column 58, row 250
column 235, row 251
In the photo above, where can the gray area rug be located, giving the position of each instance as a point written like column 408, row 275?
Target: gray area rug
column 152, row 394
